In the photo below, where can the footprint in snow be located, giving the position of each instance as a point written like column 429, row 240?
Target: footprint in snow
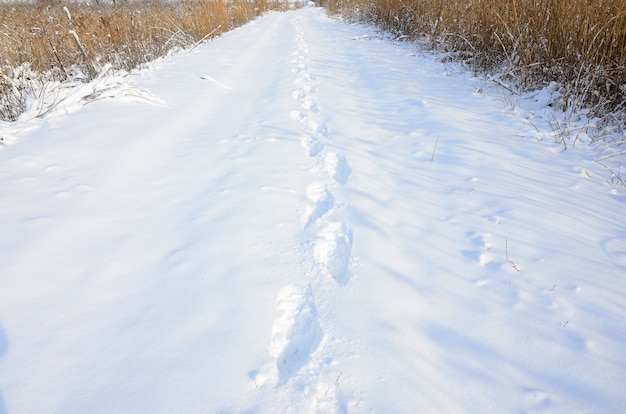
column 319, row 129
column 308, row 104
column 296, row 332
column 483, row 241
column 333, row 249
column 319, row 202
column 337, row 167
column 305, row 83
column 305, row 100
column 298, row 94
column 312, row 145
column 301, row 67
column 297, row 115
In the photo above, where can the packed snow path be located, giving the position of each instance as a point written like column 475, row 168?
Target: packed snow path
column 307, row 218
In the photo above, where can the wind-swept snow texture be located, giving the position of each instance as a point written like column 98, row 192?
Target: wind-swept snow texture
column 303, row 217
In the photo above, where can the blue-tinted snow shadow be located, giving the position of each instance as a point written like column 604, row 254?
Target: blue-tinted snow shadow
column 420, row 288
column 467, row 354
column 615, row 249
column 4, row 345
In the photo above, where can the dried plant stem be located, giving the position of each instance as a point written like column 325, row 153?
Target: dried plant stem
column 48, row 41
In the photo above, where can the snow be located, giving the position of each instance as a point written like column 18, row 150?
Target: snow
column 302, row 216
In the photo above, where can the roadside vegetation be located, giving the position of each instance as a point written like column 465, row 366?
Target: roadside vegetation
column 579, row 45
column 56, row 42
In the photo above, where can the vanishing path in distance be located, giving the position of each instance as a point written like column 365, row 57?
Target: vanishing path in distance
column 306, row 218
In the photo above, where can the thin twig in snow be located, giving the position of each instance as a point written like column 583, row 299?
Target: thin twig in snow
column 432, row 157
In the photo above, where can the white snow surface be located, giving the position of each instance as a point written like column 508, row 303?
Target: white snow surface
column 302, row 216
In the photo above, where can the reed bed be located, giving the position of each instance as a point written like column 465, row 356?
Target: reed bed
column 60, row 41
column 578, row 44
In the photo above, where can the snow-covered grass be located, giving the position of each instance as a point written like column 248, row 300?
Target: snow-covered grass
column 71, row 41
column 302, row 216
column 579, row 44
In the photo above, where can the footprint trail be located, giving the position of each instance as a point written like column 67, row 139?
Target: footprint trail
column 298, row 336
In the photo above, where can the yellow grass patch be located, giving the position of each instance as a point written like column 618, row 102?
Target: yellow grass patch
column 580, row 44
column 69, row 40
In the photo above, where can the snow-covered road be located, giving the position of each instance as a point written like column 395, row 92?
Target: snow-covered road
column 300, row 217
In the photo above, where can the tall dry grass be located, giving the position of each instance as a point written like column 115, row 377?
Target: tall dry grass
column 60, row 41
column 580, row 44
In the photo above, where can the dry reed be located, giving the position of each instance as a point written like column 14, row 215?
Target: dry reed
column 60, row 41
column 579, row 44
